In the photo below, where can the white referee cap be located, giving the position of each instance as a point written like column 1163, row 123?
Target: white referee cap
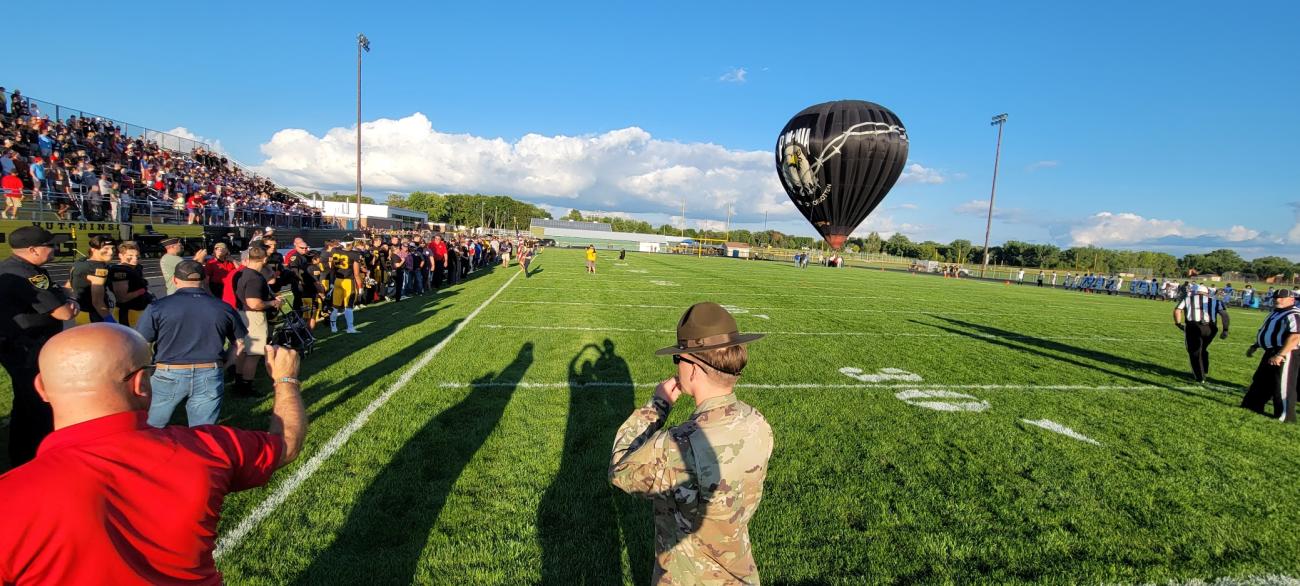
column 1202, row 289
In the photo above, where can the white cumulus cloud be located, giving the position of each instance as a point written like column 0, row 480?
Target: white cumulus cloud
column 183, row 132
column 626, row 169
column 1107, row 228
column 916, row 173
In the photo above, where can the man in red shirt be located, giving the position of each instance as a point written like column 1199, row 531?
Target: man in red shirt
column 439, row 249
column 218, row 267
column 110, row 500
column 13, row 188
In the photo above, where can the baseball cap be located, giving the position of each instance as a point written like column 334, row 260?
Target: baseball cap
column 189, row 270
column 170, row 241
column 1283, row 294
column 29, row 236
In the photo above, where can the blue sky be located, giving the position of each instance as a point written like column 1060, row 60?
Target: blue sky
column 1141, row 125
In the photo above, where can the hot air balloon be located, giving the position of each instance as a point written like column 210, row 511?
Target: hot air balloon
column 837, row 161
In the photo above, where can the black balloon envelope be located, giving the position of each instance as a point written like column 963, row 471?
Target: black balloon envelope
column 837, row 161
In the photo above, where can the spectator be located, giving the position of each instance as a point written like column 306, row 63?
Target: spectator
column 170, row 258
column 193, row 333
column 218, row 268
column 254, row 301
column 129, row 286
column 13, row 188
column 110, row 499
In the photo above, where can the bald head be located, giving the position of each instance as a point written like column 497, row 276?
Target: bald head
column 94, row 370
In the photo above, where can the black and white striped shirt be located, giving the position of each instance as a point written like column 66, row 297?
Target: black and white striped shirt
column 1277, row 326
column 1201, row 309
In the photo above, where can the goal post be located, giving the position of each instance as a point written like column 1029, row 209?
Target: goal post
column 701, row 247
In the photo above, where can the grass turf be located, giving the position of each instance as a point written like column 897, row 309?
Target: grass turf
column 489, row 466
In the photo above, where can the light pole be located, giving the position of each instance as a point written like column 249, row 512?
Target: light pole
column 998, row 121
column 363, row 45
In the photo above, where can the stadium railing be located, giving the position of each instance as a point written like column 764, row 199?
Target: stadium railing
column 155, row 210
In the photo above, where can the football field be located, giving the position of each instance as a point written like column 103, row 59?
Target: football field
column 926, row 430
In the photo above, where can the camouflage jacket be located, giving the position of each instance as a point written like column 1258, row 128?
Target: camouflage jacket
column 705, row 478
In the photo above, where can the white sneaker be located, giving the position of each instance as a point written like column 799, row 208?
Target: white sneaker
column 334, row 329
column 353, row 331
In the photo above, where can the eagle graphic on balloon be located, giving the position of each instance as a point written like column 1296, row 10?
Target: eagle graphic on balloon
column 837, row 161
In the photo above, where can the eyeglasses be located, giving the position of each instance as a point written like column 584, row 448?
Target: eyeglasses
column 148, row 372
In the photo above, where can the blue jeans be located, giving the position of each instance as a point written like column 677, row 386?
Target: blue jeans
column 200, row 388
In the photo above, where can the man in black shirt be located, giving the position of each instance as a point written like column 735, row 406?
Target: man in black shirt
column 192, row 332
column 130, row 288
column 89, row 281
column 254, row 299
column 32, row 310
column 274, row 264
column 417, row 268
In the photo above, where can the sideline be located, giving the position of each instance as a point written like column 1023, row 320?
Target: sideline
column 247, row 524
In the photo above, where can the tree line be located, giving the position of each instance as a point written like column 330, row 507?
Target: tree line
column 462, row 209
column 1012, row 253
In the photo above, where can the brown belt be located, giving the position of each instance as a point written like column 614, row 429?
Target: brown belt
column 185, row 366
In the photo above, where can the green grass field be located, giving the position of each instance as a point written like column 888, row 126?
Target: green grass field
column 487, row 465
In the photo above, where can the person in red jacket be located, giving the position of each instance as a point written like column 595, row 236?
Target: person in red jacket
column 111, row 500
column 439, row 249
column 13, row 188
column 218, row 267
column 228, row 287
column 194, row 205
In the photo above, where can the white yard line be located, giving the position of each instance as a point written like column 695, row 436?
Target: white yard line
column 247, row 524
column 813, row 309
column 1168, row 340
column 863, row 386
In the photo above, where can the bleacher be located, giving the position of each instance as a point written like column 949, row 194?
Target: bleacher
column 76, row 166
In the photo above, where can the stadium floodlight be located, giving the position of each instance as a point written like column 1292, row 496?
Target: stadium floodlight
column 363, row 45
column 998, row 121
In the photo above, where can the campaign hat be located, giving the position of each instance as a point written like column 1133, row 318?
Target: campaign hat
column 706, row 326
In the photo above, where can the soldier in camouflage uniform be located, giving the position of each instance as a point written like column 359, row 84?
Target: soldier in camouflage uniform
column 706, row 475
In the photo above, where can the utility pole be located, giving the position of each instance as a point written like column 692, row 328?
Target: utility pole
column 363, row 45
column 727, row 225
column 683, row 217
column 998, row 121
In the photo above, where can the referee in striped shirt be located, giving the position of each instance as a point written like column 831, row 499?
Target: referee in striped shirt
column 1278, row 368
column 1201, row 312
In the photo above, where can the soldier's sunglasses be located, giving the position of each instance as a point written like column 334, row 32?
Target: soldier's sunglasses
column 678, row 359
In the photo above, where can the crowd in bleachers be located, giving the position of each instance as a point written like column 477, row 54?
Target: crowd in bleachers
column 83, row 168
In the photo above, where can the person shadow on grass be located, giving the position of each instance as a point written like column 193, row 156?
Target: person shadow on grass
column 583, row 522
column 388, row 526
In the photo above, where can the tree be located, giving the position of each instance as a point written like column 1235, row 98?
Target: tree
column 900, row 245
column 958, row 251
column 1271, row 266
column 573, row 215
column 873, row 244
